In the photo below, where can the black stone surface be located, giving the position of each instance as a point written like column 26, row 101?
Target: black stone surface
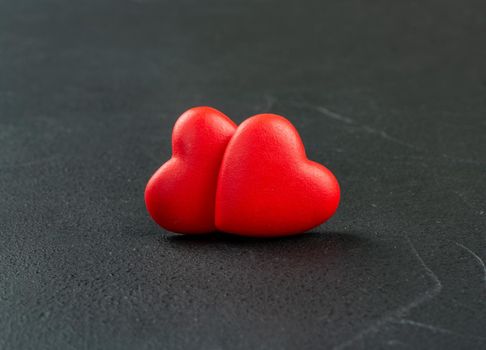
column 389, row 95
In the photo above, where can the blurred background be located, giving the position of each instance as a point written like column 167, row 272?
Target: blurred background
column 390, row 95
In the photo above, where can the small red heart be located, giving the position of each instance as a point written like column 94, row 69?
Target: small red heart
column 180, row 196
column 267, row 187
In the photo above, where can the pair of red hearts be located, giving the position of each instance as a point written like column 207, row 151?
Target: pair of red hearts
column 251, row 180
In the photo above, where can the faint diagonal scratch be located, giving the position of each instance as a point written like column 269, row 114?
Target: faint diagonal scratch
column 334, row 115
column 375, row 327
column 402, row 311
column 438, row 285
column 436, row 329
column 385, row 136
column 381, row 133
column 477, row 257
column 364, row 128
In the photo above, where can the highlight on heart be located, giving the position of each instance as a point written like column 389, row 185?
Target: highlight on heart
column 252, row 180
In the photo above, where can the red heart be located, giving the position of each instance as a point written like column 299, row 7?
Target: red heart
column 267, row 187
column 180, row 196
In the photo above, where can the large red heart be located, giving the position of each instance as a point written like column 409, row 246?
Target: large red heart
column 267, row 187
column 180, row 196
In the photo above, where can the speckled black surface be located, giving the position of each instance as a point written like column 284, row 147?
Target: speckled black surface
column 389, row 95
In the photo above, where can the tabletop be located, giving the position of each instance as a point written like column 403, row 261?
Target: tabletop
column 389, row 95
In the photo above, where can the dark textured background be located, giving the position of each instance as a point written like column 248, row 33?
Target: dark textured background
column 389, row 95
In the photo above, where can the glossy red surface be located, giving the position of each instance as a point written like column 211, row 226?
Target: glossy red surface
column 180, row 196
column 254, row 180
column 267, row 187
